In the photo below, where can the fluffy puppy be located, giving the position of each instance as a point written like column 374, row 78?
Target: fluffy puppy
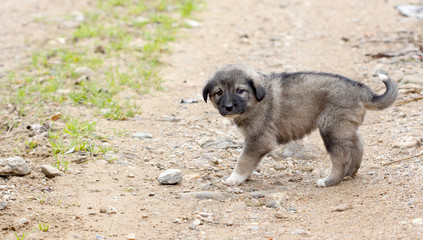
column 273, row 109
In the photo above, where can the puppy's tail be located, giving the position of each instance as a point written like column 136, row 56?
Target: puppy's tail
column 373, row 101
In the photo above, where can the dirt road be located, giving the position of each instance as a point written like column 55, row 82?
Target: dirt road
column 118, row 200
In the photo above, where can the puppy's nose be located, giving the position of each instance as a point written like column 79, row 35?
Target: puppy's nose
column 229, row 107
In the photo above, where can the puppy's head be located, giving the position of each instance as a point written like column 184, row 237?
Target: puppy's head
column 233, row 89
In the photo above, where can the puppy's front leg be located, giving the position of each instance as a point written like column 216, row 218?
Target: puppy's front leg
column 246, row 164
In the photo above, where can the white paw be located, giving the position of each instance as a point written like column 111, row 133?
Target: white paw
column 235, row 179
column 321, row 182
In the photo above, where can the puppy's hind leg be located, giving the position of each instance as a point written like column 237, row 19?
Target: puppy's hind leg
column 346, row 151
column 356, row 156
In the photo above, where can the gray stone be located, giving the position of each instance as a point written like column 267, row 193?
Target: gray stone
column 111, row 210
column 220, row 196
column 142, row 135
column 50, row 171
column 221, row 143
column 170, row 177
column 14, row 166
column 3, row 205
column 343, row 207
column 211, row 195
column 276, row 200
column 84, row 71
column 189, row 100
column 262, row 194
column 301, row 232
column 407, row 142
column 21, row 222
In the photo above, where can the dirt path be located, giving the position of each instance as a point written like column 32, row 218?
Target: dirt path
column 382, row 202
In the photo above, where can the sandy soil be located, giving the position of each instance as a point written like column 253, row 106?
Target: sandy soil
column 382, row 202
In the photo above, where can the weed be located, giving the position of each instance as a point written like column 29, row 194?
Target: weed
column 44, row 227
column 22, row 237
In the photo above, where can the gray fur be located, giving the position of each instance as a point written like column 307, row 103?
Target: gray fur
column 276, row 108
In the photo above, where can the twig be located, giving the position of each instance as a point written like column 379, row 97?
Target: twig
column 408, row 101
column 403, row 159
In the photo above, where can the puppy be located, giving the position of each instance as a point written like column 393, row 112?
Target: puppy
column 273, row 109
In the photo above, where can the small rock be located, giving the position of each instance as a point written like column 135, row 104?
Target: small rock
column 262, row 194
column 3, row 205
column 204, row 214
column 211, row 195
column 22, row 222
column 417, row 221
column 280, row 166
column 84, row 71
column 189, row 100
column 131, row 175
column 343, row 207
column 295, row 178
column 14, row 166
column 78, row 16
column 99, row 237
column 170, row 177
column 301, row 232
column 111, row 210
column 103, row 210
column 142, row 135
column 406, row 142
column 276, row 200
column 192, row 23
column 220, row 143
column 110, row 156
column 196, row 222
column 141, row 20
column 280, row 215
column 254, row 203
column 50, row 171
column 70, row 24
column 131, row 236
column 177, row 220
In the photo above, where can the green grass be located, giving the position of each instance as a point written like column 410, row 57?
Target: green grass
column 43, row 227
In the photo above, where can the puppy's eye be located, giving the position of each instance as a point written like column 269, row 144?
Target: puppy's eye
column 219, row 92
column 240, row 91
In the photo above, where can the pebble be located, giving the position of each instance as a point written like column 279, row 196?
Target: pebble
column 177, row 220
column 417, row 221
column 170, row 177
column 50, row 171
column 141, row 135
column 14, row 166
column 406, row 142
column 111, row 210
column 99, row 237
column 276, row 200
column 192, row 23
column 189, row 100
column 220, row 143
column 301, row 232
column 211, row 195
column 262, row 194
column 131, row 236
column 342, row 207
column 84, row 71
column 3, row 205
column 22, row 222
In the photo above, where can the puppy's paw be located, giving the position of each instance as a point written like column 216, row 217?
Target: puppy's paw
column 235, row 179
column 321, row 182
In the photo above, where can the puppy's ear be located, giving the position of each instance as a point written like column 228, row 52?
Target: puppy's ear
column 207, row 89
column 258, row 89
